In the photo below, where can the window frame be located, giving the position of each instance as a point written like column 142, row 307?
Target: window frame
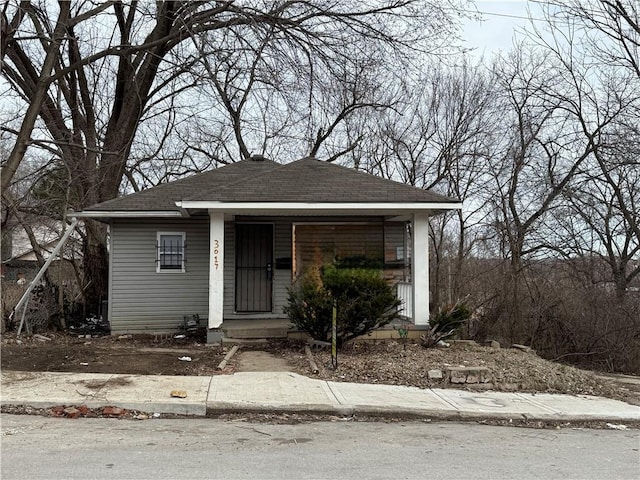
column 159, row 252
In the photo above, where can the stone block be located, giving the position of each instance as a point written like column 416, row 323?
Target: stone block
column 468, row 374
column 473, row 378
column 435, row 374
column 492, row 344
column 457, row 375
column 214, row 335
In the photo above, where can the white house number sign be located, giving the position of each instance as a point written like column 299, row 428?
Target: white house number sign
column 216, row 252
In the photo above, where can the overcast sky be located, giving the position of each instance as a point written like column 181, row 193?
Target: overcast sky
column 500, row 18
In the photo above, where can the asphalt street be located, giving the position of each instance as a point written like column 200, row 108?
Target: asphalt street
column 36, row 447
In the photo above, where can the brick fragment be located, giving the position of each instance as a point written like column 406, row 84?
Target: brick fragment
column 71, row 412
column 113, row 411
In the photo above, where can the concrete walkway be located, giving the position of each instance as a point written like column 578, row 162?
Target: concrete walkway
column 289, row 392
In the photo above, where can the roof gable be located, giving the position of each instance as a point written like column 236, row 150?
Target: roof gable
column 305, row 181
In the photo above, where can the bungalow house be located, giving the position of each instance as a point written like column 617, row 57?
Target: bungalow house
column 228, row 243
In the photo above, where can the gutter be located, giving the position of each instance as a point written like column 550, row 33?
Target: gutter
column 126, row 214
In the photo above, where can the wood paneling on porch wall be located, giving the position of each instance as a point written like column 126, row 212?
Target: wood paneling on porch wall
column 317, row 244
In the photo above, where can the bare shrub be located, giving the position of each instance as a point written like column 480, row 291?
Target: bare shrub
column 11, row 294
column 564, row 317
column 42, row 307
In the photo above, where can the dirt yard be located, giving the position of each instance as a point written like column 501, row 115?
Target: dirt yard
column 389, row 362
column 138, row 354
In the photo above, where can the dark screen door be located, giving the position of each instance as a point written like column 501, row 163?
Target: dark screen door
column 254, row 267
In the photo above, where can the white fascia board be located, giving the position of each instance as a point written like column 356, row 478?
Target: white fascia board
column 302, row 206
column 124, row 214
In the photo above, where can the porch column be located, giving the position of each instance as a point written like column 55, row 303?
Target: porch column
column 216, row 268
column 420, row 268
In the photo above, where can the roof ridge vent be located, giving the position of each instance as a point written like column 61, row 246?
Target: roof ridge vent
column 257, row 158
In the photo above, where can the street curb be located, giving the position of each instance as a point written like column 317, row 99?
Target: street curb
column 199, row 409
column 390, row 412
column 195, row 409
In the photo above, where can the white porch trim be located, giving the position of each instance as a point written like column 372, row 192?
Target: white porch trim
column 127, row 214
column 420, row 268
column 216, row 268
column 298, row 207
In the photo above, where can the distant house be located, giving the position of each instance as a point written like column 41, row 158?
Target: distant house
column 19, row 260
column 228, row 243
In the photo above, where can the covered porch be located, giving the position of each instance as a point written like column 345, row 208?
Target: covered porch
column 397, row 241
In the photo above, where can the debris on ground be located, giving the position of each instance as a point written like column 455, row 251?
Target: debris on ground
column 94, row 325
column 614, row 426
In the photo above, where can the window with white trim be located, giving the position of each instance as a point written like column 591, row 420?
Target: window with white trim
column 171, row 252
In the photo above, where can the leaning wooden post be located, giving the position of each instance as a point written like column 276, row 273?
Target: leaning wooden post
column 334, row 336
column 312, row 361
column 227, row 357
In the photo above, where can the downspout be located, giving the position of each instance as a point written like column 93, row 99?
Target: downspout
column 25, row 296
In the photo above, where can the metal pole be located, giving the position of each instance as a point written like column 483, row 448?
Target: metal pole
column 38, row 277
column 334, row 336
column 24, row 312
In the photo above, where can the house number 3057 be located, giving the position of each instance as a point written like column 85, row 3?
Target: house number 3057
column 216, row 251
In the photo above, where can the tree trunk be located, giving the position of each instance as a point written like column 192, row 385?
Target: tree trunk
column 36, row 100
column 95, row 266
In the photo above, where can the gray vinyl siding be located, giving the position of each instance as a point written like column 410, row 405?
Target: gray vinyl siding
column 143, row 300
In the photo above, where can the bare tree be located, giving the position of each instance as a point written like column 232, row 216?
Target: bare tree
column 562, row 167
column 597, row 49
column 94, row 77
column 438, row 136
column 536, row 161
column 609, row 29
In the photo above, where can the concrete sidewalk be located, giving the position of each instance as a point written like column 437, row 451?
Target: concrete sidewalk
column 292, row 393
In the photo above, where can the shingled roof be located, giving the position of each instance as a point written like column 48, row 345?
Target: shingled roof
column 307, row 180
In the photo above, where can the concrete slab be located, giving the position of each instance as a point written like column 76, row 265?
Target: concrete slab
column 134, row 392
column 152, row 393
column 259, row 361
column 540, row 406
column 48, row 389
column 379, row 399
column 585, row 407
column 266, row 391
column 494, row 404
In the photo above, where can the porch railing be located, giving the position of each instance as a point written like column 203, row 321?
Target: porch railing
column 404, row 292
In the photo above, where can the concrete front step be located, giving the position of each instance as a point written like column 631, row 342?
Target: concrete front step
column 243, row 341
column 263, row 332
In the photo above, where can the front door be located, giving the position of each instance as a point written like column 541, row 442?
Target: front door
column 254, row 267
